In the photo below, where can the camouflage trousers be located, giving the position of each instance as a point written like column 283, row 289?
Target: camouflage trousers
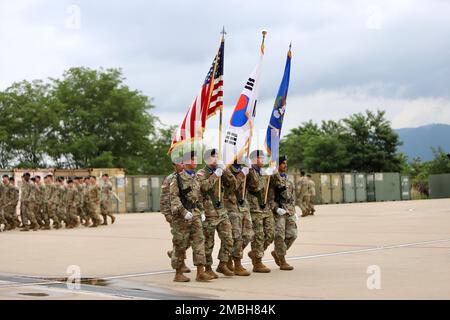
column 41, row 216
column 2, row 218
column 27, row 213
column 188, row 244
column 303, row 203
column 51, row 211
column 285, row 233
column 223, row 226
column 242, row 230
column 310, row 203
column 71, row 215
column 185, row 233
column 93, row 210
column 263, row 226
column 10, row 216
column 105, row 209
column 81, row 212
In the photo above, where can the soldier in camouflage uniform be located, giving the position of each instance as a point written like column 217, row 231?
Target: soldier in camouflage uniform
column 187, row 209
column 216, row 215
column 105, row 204
column 240, row 218
column 72, row 199
column 3, row 220
column 80, row 205
column 28, row 200
column 94, row 202
column 51, row 201
column 166, row 208
column 41, row 215
column 282, row 203
column 301, row 189
column 86, row 184
column 311, row 195
column 11, row 199
column 61, row 201
column 262, row 217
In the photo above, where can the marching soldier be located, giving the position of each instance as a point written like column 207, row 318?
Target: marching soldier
column 262, row 217
column 282, row 204
column 302, row 193
column 28, row 199
column 41, row 215
column 61, row 201
column 86, row 184
column 240, row 218
column 51, row 201
column 11, row 199
column 80, row 204
column 94, row 202
column 105, row 204
column 3, row 220
column 72, row 199
column 165, row 205
column 216, row 215
column 187, row 208
column 311, row 195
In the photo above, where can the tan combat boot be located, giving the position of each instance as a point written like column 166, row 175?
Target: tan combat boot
column 275, row 256
column 202, row 276
column 260, row 267
column 180, row 277
column 210, row 272
column 222, row 268
column 239, row 270
column 230, row 265
column 284, row 265
column 184, row 268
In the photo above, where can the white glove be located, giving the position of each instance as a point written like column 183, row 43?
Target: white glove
column 245, row 170
column 221, row 166
column 281, row 211
column 275, row 170
column 218, row 172
column 203, row 217
column 296, row 217
column 267, row 172
column 188, row 215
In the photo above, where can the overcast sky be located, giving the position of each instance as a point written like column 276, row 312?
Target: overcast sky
column 348, row 56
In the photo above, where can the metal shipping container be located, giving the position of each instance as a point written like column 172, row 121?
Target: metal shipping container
column 139, row 194
column 349, row 187
column 439, row 186
column 387, row 186
column 331, row 188
column 360, row 187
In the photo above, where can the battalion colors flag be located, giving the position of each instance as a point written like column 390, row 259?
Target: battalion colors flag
column 276, row 120
column 205, row 105
column 240, row 129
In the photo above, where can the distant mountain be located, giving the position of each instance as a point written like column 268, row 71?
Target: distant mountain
column 417, row 142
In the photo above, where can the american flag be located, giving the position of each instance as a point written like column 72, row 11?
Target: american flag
column 205, row 105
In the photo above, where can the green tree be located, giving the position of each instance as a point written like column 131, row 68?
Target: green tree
column 26, row 118
column 103, row 123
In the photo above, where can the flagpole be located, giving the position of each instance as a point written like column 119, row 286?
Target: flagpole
column 211, row 87
column 264, row 32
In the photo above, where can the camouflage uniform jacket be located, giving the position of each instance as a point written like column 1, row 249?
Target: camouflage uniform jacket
column 256, row 184
column 233, row 198
column 281, row 194
column 190, row 186
column 94, row 194
column 210, row 189
column 72, row 197
column 28, row 193
column 11, row 196
column 164, row 200
column 106, row 190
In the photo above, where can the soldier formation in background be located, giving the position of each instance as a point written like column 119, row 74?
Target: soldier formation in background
column 61, row 203
column 244, row 204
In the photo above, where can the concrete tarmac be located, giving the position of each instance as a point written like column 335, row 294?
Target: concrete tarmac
column 388, row 250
